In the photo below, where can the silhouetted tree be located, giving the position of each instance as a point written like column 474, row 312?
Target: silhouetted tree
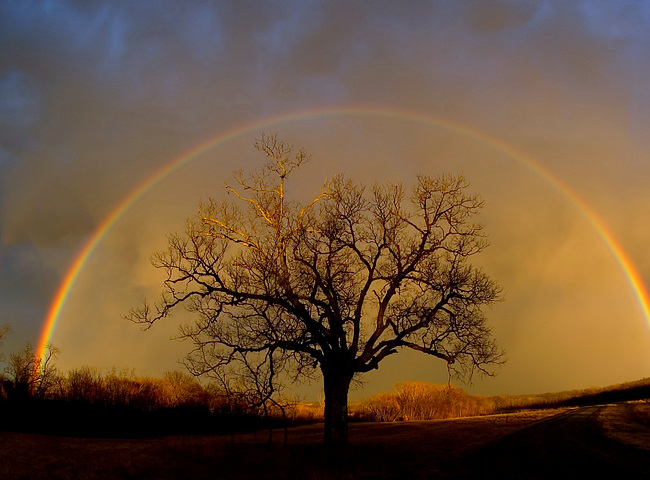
column 336, row 284
column 118, row 386
column 30, row 375
column 146, row 393
column 86, row 384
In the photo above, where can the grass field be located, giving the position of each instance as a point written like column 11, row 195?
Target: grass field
column 628, row 423
column 376, row 450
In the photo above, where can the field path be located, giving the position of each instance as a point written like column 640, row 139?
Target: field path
column 569, row 445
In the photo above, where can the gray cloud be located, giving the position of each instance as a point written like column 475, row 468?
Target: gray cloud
column 95, row 96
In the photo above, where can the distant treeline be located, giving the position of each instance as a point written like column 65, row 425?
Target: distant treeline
column 86, row 402
column 621, row 392
column 36, row 396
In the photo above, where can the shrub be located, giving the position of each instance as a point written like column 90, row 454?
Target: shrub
column 85, row 384
column 424, row 401
column 382, row 407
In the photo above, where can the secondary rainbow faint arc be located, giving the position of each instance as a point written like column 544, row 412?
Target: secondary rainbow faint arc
column 86, row 251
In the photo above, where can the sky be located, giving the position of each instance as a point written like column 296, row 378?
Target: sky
column 544, row 106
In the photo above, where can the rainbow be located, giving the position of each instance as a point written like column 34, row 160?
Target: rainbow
column 138, row 192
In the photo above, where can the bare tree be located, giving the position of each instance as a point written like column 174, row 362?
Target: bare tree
column 31, row 375
column 336, row 284
column 183, row 389
column 86, row 384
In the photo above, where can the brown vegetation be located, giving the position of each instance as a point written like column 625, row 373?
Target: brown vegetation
column 426, row 401
column 36, row 397
column 27, row 376
column 628, row 423
column 88, row 402
column 423, row 401
column 376, row 451
column 429, row 449
column 30, row 375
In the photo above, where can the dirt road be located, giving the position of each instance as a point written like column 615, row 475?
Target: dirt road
column 569, row 445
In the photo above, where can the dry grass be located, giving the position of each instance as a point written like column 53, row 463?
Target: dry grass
column 422, row 401
column 427, row 401
column 380, row 450
column 377, row 450
column 628, row 423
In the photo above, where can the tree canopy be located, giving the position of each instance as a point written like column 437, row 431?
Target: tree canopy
column 282, row 289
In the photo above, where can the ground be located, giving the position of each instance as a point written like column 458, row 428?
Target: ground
column 442, row 448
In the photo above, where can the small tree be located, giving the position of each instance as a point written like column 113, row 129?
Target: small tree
column 183, row 389
column 338, row 283
column 31, row 375
column 118, row 386
column 85, row 384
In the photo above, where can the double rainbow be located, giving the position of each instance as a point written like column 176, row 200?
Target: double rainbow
column 95, row 239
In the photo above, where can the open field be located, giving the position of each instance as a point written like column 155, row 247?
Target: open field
column 628, row 423
column 376, row 450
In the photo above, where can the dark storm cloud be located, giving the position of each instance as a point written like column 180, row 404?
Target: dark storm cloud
column 82, row 88
column 19, row 100
column 96, row 95
column 26, row 285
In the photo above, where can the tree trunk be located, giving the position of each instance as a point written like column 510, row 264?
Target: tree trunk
column 336, row 408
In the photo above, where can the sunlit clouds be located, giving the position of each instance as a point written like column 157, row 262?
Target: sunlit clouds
column 96, row 97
